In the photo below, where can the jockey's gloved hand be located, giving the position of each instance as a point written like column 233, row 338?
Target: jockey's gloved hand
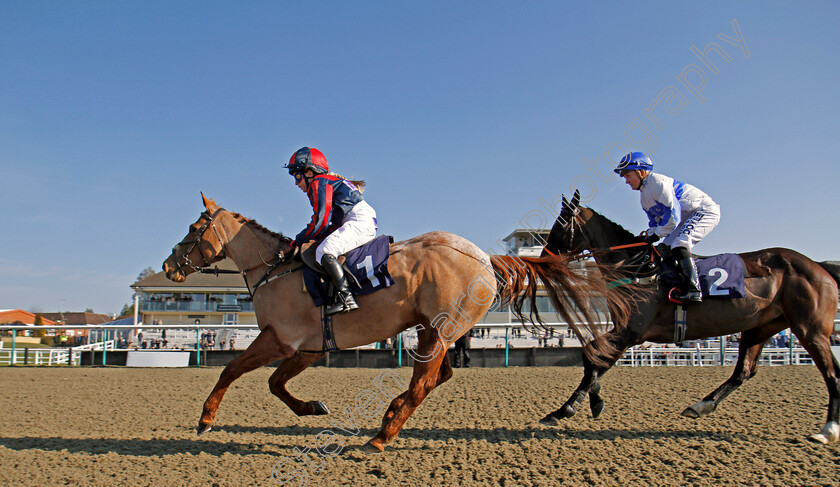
column 650, row 239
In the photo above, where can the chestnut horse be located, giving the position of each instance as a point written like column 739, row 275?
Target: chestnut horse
column 442, row 283
column 784, row 289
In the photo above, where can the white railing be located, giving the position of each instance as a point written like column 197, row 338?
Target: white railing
column 499, row 335
column 667, row 356
column 39, row 356
column 106, row 345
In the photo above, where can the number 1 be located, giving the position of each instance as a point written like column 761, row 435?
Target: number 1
column 367, row 265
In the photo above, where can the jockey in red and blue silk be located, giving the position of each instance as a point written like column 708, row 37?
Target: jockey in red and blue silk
column 678, row 212
column 341, row 217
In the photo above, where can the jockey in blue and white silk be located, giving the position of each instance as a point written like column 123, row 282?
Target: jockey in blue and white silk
column 679, row 213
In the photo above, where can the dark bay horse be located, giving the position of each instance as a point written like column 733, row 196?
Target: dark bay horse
column 785, row 289
column 443, row 284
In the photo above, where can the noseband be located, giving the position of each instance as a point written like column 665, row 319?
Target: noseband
column 193, row 243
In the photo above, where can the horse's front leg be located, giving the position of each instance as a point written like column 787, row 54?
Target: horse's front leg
column 290, row 368
column 607, row 350
column 262, row 350
column 589, row 384
column 596, row 404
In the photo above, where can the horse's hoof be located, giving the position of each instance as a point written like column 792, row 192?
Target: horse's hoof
column 319, row 408
column 554, row 418
column 819, row 438
column 698, row 409
column 566, row 411
column 370, row 447
column 690, row 413
column 203, row 427
column 597, row 408
column 829, row 434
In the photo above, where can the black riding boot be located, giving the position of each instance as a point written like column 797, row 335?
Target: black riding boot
column 689, row 270
column 344, row 298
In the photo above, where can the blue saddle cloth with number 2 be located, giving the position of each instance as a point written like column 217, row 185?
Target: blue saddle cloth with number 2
column 368, row 264
column 722, row 276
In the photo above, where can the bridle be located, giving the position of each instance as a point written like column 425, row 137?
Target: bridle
column 637, row 261
column 206, row 269
column 193, row 243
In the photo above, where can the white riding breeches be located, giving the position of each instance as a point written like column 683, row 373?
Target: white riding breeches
column 357, row 229
column 692, row 229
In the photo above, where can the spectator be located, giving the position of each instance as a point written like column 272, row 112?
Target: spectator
column 462, row 350
column 232, row 343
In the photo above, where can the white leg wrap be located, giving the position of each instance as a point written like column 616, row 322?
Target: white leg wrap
column 829, row 434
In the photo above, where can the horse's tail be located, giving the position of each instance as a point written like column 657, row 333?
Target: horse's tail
column 579, row 295
column 833, row 269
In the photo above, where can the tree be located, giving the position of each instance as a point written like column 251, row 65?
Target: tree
column 128, row 309
column 147, row 272
column 39, row 321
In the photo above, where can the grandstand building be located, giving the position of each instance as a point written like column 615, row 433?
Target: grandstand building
column 210, row 299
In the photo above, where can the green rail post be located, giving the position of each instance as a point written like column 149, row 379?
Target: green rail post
column 507, row 343
column 790, row 341
column 197, row 347
column 399, row 350
column 104, row 347
column 722, row 350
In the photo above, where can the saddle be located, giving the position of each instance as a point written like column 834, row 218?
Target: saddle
column 721, row 276
column 307, row 256
column 366, row 270
column 365, row 267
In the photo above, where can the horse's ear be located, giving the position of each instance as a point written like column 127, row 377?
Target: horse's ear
column 208, row 202
column 576, row 199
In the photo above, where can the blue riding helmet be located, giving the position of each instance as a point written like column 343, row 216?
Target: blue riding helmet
column 634, row 160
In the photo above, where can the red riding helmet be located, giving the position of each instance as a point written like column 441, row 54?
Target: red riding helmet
column 306, row 158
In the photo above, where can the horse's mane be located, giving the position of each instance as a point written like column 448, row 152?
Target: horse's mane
column 615, row 230
column 259, row 227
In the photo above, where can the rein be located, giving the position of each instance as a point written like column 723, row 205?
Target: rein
column 639, row 260
column 206, row 269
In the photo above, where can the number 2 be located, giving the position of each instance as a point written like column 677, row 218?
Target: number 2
column 713, row 288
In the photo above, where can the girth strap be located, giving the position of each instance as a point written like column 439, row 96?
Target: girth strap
column 329, row 344
column 680, row 324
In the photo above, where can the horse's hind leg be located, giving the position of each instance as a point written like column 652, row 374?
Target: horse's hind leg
column 262, row 350
column 817, row 343
column 749, row 350
column 291, row 367
column 427, row 375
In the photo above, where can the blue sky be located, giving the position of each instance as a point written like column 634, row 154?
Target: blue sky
column 461, row 116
